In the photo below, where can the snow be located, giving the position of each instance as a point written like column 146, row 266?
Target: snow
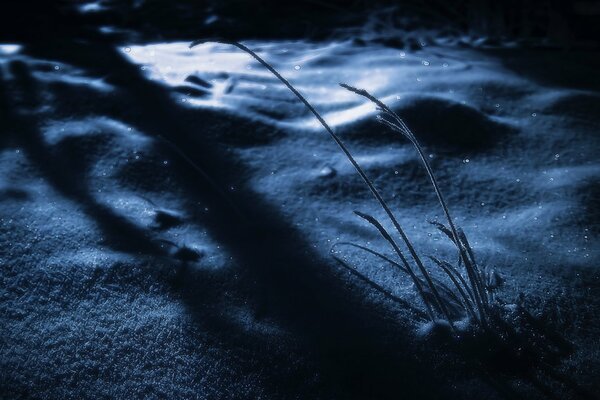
column 100, row 297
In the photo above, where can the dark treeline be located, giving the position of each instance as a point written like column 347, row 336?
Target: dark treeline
column 565, row 23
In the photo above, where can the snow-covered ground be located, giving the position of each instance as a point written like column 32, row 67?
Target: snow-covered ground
column 167, row 214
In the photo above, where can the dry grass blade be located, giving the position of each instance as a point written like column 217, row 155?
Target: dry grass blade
column 459, row 276
column 442, row 228
column 380, row 288
column 375, row 253
column 431, row 286
column 455, row 278
column 465, row 243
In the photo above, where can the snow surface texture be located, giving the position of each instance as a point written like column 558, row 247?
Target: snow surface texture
column 126, row 273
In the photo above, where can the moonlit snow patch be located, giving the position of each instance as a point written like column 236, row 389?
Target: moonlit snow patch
column 91, row 7
column 9, row 49
column 238, row 82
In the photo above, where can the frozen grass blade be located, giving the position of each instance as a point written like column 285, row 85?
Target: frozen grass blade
column 452, row 274
column 442, row 228
column 480, row 273
column 379, row 288
column 459, row 276
column 375, row 253
column 431, row 285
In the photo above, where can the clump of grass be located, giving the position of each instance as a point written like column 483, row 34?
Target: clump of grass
column 478, row 292
column 438, row 299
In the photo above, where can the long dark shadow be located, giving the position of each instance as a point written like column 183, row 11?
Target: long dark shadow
column 65, row 172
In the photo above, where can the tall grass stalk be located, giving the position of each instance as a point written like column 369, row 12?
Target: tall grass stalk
column 478, row 291
column 399, row 126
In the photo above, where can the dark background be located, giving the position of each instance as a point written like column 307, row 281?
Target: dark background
column 557, row 23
